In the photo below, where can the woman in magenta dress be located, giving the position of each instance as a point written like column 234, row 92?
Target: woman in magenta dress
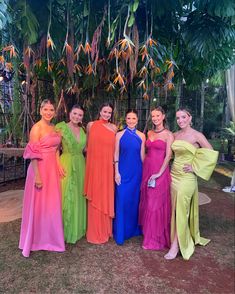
column 155, row 200
column 41, row 227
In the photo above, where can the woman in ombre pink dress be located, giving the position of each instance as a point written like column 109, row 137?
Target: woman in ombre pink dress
column 155, row 202
column 41, row 227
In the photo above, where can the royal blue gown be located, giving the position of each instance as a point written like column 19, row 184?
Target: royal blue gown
column 127, row 194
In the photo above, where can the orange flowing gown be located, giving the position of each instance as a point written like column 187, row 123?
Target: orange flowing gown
column 99, row 182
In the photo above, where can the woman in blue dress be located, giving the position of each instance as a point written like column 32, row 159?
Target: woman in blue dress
column 128, row 158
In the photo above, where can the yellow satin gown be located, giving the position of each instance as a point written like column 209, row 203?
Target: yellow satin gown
column 184, row 193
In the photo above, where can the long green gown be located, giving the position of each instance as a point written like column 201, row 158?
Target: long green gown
column 184, row 193
column 73, row 201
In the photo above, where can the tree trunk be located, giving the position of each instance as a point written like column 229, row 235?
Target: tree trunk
column 178, row 99
column 202, row 107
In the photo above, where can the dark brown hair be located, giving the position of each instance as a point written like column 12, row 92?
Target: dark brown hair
column 106, row 104
column 130, row 110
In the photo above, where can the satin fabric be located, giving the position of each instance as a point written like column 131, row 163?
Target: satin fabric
column 99, row 182
column 184, row 193
column 73, row 201
column 41, row 227
column 127, row 194
column 155, row 203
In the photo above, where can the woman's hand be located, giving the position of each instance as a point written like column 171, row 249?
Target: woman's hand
column 154, row 176
column 188, row 168
column 62, row 172
column 38, row 182
column 117, row 178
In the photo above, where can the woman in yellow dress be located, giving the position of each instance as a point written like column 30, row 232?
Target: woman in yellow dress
column 193, row 157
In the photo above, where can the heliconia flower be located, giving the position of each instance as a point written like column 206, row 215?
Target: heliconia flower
column 11, row 49
column 110, row 87
column 141, row 84
column 62, row 62
column 150, row 42
column 50, row 43
column 119, row 80
column 49, row 67
column 143, row 52
column 152, row 63
column 79, row 49
column 169, row 63
column 89, row 69
column 143, row 71
column 157, row 70
column 38, row 62
column 113, row 53
column 145, row 96
column 77, row 68
column 28, row 51
column 87, row 47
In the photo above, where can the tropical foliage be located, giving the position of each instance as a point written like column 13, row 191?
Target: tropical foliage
column 77, row 50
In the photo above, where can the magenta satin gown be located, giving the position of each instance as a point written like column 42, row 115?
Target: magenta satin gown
column 41, row 227
column 155, row 203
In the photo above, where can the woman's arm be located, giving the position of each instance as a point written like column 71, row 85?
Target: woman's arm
column 169, row 141
column 34, row 137
column 202, row 141
column 142, row 150
column 116, row 158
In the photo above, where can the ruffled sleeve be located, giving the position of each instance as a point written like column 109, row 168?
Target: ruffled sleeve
column 32, row 151
column 204, row 162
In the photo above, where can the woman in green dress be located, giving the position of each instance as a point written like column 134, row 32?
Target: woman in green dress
column 193, row 157
column 73, row 162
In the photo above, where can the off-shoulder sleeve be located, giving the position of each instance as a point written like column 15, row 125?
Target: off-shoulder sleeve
column 204, row 162
column 32, row 151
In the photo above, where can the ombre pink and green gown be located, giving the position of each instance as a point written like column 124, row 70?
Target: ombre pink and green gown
column 41, row 227
column 155, row 203
column 184, row 193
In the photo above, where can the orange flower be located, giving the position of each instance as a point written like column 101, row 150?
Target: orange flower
column 80, row 47
column 157, row 70
column 77, row 68
column 152, row 63
column 119, row 80
column 87, row 47
column 113, row 53
column 38, row 62
column 49, row 67
column 169, row 63
column 143, row 52
column 2, row 59
column 50, row 43
column 150, row 42
column 89, row 69
column 11, row 49
column 143, row 71
column 126, row 46
column 28, row 51
column 141, row 84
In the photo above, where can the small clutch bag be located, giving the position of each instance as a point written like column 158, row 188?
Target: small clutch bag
column 152, row 183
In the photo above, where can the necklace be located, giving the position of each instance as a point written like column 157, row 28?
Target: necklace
column 155, row 131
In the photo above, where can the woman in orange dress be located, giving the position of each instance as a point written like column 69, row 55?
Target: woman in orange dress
column 99, row 176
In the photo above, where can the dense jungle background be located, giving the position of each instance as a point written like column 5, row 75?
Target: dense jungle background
column 134, row 53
